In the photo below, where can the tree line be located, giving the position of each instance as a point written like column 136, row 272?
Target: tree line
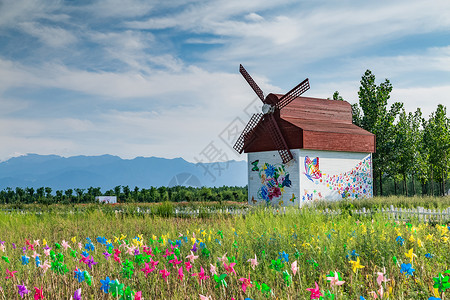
column 44, row 195
column 412, row 152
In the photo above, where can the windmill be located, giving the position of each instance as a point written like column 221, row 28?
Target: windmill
column 271, row 105
column 323, row 154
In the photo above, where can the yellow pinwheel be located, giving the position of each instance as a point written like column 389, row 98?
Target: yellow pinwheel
column 410, row 255
column 356, row 265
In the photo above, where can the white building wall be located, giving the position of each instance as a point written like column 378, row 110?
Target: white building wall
column 272, row 182
column 334, row 175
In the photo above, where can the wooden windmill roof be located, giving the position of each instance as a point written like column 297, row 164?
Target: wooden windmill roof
column 319, row 124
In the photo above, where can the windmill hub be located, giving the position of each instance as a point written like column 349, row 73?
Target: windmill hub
column 268, row 109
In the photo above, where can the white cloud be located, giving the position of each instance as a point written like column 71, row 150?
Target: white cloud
column 51, row 36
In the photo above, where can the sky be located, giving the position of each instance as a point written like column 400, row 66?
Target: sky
column 161, row 78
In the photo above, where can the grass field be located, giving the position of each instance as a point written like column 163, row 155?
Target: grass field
column 80, row 247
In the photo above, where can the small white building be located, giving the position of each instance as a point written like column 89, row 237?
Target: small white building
column 106, row 199
column 332, row 158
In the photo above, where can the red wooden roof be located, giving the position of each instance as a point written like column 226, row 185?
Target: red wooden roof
column 312, row 123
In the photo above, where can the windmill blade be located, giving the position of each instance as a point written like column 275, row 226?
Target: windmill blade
column 247, row 132
column 278, row 139
column 252, row 83
column 292, row 94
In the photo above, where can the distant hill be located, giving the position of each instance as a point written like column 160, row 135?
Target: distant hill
column 108, row 171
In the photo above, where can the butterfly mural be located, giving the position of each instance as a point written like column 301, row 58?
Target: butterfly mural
column 312, row 170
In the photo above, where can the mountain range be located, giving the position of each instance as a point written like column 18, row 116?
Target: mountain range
column 108, row 171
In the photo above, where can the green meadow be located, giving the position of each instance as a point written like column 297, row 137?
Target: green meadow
column 264, row 254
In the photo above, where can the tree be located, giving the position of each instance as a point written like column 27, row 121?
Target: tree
column 437, row 137
column 377, row 119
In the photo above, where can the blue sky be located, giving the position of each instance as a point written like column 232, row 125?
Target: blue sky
column 160, row 78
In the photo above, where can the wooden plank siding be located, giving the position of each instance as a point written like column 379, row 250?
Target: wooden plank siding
column 319, row 124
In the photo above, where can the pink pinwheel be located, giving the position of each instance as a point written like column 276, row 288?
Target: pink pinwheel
column 223, row 258
column 180, row 273
column 380, row 292
column 2, row 247
column 36, row 243
column 45, row 266
column 315, row 293
column 80, row 246
column 204, row 297
column 187, row 265
column 65, row 245
column 47, row 251
column 213, row 269
column 200, row 275
column 10, row 274
column 253, row 262
column 147, row 270
column 38, row 293
column 294, row 267
column 335, row 280
column 246, row 282
column 34, row 255
column 116, row 258
column 164, row 273
column 168, row 253
column 84, row 259
column 117, row 251
column 130, row 250
column 192, row 257
column 148, row 251
column 175, row 261
column 138, row 295
column 229, row 268
column 153, row 262
column 382, row 277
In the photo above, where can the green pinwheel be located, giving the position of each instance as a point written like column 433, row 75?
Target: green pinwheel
column 265, row 289
column 127, row 294
column 327, row 296
column 205, row 252
column 6, row 259
column 220, row 280
column 88, row 278
column 277, row 265
column 73, row 253
column 441, row 282
column 116, row 288
column 332, row 274
column 287, row 277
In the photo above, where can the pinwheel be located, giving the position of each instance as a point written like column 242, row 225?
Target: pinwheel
column 253, row 262
column 77, row 294
column 116, row 288
column 277, row 265
column 79, row 275
column 246, row 283
column 180, row 273
column 335, row 279
column 25, row 260
column 187, row 265
column 38, row 293
column 441, row 283
column 410, row 255
column 37, row 261
column 6, row 259
column 382, row 277
column 22, row 290
column 45, row 266
column 315, row 292
column 65, row 245
column 287, row 277
column 223, row 258
column 229, row 268
column 138, row 296
column 407, row 269
column 220, row 280
column 213, row 269
column 10, row 274
column 164, row 273
column 88, row 278
column 283, row 256
column 356, row 265
column 265, row 289
column 200, row 275
column 294, row 267
column 205, row 252
column 105, row 284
